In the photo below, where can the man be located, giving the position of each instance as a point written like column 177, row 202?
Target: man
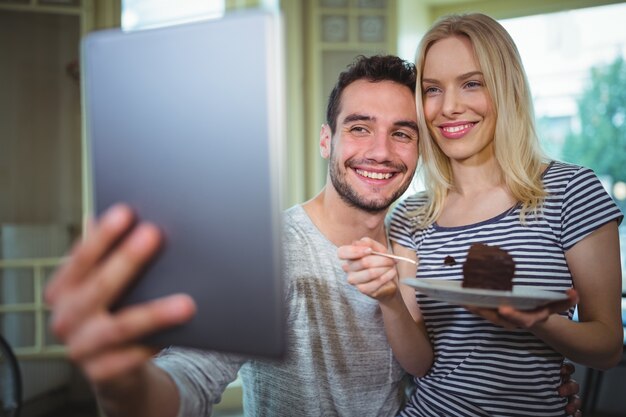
column 338, row 360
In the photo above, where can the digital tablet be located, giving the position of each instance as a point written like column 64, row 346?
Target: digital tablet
column 185, row 124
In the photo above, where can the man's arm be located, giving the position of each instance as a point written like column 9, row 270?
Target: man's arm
column 149, row 391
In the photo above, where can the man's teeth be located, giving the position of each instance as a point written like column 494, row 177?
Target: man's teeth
column 374, row 175
column 454, row 129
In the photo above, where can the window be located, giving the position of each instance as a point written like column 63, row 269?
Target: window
column 140, row 14
column 576, row 66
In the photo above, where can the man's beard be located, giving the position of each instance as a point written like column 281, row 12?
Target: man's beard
column 349, row 196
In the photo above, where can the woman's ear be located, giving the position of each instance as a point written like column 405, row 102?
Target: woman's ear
column 325, row 139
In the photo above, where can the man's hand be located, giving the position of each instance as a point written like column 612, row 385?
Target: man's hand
column 569, row 388
column 104, row 344
column 373, row 275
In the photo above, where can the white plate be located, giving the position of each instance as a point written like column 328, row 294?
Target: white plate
column 522, row 298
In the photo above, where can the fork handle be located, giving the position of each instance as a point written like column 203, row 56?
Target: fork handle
column 399, row 258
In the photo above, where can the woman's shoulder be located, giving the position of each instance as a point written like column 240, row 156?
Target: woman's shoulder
column 408, row 209
column 560, row 174
column 410, row 204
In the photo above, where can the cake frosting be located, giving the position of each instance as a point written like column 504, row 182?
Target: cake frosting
column 488, row 267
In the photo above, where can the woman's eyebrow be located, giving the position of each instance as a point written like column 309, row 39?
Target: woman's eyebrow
column 460, row 77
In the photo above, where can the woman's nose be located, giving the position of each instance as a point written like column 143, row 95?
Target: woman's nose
column 451, row 104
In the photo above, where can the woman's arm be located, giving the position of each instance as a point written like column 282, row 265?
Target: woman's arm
column 377, row 277
column 596, row 340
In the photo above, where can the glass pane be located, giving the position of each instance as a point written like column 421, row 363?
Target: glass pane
column 372, row 4
column 576, row 66
column 372, row 29
column 48, row 272
column 334, row 28
column 16, row 286
column 334, row 3
column 18, row 328
column 59, row 2
column 49, row 338
column 140, row 14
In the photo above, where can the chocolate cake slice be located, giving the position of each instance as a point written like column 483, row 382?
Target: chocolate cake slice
column 488, row 267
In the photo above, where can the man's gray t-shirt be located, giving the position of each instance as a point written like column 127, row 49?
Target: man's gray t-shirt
column 338, row 361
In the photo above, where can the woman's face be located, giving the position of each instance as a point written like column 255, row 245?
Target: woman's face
column 458, row 108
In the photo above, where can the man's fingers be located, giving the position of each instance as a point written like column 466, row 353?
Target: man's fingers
column 569, row 388
column 373, row 262
column 351, row 252
column 89, row 251
column 125, row 263
column 108, row 331
column 573, row 406
column 567, row 369
column 383, row 286
column 106, row 281
column 362, row 276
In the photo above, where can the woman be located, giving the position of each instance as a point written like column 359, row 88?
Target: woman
column 488, row 182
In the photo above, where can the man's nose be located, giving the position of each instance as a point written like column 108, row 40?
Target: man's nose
column 380, row 147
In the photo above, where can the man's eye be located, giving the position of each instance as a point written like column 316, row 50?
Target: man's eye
column 403, row 135
column 358, row 129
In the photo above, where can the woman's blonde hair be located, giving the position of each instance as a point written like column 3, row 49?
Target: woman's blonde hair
column 516, row 146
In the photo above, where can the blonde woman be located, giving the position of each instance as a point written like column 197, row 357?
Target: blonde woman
column 487, row 181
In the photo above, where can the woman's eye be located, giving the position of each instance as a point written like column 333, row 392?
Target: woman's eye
column 430, row 90
column 473, row 84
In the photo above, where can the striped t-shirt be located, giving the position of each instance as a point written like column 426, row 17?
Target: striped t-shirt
column 481, row 369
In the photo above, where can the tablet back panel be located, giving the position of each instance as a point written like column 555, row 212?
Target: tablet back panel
column 184, row 123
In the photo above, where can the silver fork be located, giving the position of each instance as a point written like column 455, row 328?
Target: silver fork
column 402, row 258
column 399, row 258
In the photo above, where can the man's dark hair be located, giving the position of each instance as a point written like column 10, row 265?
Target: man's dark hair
column 373, row 68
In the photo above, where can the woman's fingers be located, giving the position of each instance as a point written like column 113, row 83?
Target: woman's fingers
column 527, row 319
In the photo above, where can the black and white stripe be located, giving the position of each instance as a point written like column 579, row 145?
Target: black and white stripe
column 481, row 369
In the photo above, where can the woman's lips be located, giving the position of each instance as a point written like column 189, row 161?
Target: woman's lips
column 456, row 131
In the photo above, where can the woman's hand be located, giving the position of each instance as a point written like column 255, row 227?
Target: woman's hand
column 373, row 275
column 511, row 318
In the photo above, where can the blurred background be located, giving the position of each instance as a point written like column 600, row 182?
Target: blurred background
column 574, row 52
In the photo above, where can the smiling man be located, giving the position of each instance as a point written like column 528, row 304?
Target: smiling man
column 338, row 361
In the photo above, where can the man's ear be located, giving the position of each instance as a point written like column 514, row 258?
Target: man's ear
column 325, row 139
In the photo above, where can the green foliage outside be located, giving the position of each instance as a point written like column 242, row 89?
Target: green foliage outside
column 601, row 142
